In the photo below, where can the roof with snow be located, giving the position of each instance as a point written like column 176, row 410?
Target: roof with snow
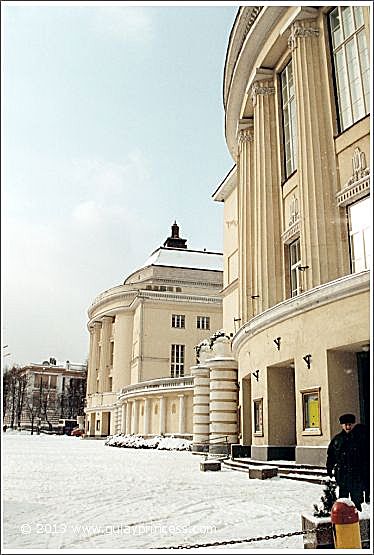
column 185, row 258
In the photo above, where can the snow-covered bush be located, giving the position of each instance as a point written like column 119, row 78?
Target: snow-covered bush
column 157, row 442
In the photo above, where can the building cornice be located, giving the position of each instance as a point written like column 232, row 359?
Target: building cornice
column 148, row 296
column 331, row 292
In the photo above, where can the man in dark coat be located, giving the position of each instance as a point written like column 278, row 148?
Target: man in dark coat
column 348, row 459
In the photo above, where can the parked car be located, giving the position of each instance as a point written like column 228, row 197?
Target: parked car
column 76, row 432
column 66, row 425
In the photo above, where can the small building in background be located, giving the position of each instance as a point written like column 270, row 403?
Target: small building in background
column 42, row 394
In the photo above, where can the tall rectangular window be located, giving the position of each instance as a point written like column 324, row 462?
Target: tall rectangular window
column 257, row 417
column 289, row 119
column 178, row 321
column 111, row 353
column 203, row 323
column 351, row 63
column 359, row 221
column 177, row 361
column 295, row 263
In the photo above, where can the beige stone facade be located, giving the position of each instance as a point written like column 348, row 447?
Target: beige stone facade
column 297, row 224
column 142, row 339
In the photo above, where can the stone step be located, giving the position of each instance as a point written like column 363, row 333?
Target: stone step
column 290, row 470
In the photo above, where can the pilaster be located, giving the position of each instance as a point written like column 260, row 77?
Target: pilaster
column 162, row 415
column 321, row 228
column 246, row 221
column 147, row 412
column 266, row 198
column 105, row 354
column 94, row 358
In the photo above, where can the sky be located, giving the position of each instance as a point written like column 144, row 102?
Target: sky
column 60, row 510
column 112, row 129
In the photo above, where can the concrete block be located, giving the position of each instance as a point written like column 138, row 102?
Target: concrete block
column 210, row 465
column 262, row 472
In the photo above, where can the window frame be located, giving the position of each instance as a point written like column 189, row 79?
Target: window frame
column 258, row 417
column 178, row 321
column 353, row 36
column 366, row 248
column 291, row 121
column 177, row 360
column 203, row 322
column 293, row 269
column 311, row 430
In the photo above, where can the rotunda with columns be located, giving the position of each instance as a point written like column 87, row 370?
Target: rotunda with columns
column 143, row 335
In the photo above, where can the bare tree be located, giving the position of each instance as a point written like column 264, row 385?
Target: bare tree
column 22, row 391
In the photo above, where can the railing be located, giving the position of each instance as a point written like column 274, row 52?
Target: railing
column 159, row 384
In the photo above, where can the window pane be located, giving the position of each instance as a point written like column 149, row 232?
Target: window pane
column 351, row 64
column 359, row 215
column 336, row 30
column 359, row 16
column 289, row 119
column 347, row 21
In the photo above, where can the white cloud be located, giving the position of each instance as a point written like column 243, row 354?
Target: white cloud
column 87, row 213
column 123, row 23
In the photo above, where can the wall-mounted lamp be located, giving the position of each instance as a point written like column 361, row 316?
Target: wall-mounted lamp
column 302, row 268
column 365, row 348
column 308, row 360
column 292, row 364
column 256, row 374
column 277, row 341
column 255, row 296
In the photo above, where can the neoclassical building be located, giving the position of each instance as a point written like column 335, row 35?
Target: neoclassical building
column 142, row 342
column 297, row 224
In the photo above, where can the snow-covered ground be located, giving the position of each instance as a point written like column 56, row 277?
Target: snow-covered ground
column 72, row 494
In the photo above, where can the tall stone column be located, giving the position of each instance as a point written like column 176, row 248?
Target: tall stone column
column 182, row 414
column 200, row 414
column 147, row 412
column 123, row 330
column 321, row 246
column 135, row 413
column 267, row 195
column 162, row 415
column 128, row 417
column 247, row 287
column 105, row 354
column 123, row 418
column 93, row 367
column 223, row 402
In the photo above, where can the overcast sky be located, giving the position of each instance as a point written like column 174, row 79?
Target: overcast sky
column 112, row 128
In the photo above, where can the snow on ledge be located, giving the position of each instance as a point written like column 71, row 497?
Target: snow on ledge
column 157, row 442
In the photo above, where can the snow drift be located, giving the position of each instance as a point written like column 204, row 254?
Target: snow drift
column 157, row 442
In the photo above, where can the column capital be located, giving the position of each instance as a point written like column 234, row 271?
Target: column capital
column 107, row 319
column 303, row 29
column 245, row 135
column 262, row 88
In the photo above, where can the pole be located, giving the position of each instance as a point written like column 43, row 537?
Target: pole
column 346, row 524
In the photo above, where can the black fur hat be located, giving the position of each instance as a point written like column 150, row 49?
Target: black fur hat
column 347, row 419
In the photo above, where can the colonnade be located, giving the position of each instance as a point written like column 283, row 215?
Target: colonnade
column 148, row 422
column 99, row 363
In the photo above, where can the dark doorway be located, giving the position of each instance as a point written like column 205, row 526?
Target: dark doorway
column 363, row 373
